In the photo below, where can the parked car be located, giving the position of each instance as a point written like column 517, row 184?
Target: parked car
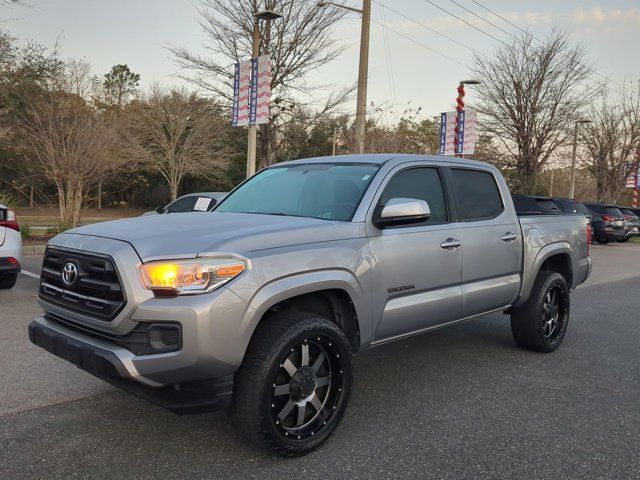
column 534, row 205
column 607, row 222
column 10, row 247
column 631, row 225
column 260, row 305
column 192, row 202
column 571, row 206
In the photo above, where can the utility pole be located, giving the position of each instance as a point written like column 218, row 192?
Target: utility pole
column 363, row 73
column 572, row 186
column 363, row 68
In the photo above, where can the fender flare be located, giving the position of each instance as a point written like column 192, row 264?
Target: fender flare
column 298, row 284
column 530, row 272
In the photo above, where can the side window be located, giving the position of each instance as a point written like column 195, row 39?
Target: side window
column 182, row 205
column 477, row 195
column 421, row 183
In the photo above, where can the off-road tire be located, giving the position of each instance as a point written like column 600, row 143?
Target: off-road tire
column 529, row 323
column 252, row 410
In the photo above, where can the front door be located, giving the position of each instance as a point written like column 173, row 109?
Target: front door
column 417, row 267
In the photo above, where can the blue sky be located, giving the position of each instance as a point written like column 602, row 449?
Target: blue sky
column 136, row 32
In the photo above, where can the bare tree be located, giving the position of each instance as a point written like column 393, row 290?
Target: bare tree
column 611, row 141
column 73, row 146
column 529, row 97
column 177, row 134
column 299, row 43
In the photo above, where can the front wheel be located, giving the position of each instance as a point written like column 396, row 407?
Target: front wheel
column 602, row 242
column 541, row 323
column 624, row 240
column 293, row 386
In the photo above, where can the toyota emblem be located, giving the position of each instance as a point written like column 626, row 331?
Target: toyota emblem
column 69, row 273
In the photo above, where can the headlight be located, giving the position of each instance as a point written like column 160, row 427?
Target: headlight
column 190, row 277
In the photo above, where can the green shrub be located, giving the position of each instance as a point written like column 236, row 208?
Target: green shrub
column 25, row 230
column 53, row 230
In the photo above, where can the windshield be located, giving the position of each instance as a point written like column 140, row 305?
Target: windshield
column 326, row 191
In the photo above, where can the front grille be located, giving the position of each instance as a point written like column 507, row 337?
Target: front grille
column 95, row 291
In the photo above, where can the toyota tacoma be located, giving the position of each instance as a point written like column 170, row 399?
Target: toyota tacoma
column 258, row 306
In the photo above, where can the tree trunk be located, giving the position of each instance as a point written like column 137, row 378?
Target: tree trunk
column 99, row 196
column 173, row 186
column 31, row 196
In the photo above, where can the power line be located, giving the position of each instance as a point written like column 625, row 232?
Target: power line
column 451, row 39
column 529, row 34
column 433, row 50
column 387, row 51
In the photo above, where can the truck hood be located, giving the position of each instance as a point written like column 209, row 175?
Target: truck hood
column 185, row 235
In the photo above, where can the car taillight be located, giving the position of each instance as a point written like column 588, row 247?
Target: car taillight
column 608, row 218
column 589, row 234
column 11, row 221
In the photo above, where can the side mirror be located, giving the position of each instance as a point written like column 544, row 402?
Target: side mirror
column 160, row 210
column 402, row 211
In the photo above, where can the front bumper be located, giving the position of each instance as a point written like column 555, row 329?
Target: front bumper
column 114, row 365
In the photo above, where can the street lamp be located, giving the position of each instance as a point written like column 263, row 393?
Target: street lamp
column 459, row 108
column 572, row 188
column 252, row 141
column 363, row 68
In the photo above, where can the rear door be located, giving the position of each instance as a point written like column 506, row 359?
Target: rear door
column 416, row 275
column 491, row 241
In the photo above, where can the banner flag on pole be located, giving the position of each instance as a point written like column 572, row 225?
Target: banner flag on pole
column 253, row 98
column 460, row 146
column 470, row 132
column 264, row 89
column 236, row 94
column 241, row 101
column 447, row 129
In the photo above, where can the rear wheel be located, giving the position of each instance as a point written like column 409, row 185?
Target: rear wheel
column 625, row 239
column 541, row 323
column 294, row 384
column 603, row 242
column 8, row 280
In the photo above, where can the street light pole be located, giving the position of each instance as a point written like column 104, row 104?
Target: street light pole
column 459, row 108
column 252, row 140
column 363, row 69
column 572, row 187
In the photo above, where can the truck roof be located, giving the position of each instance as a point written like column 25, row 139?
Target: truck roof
column 382, row 158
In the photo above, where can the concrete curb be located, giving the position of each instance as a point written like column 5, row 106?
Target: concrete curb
column 33, row 249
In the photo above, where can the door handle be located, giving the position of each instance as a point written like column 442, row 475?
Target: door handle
column 451, row 244
column 509, row 237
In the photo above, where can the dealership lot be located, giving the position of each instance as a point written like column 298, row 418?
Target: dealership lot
column 462, row 402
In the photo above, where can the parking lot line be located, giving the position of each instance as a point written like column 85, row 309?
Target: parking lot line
column 30, row 274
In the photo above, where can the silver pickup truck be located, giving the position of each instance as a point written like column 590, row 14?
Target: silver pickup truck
column 260, row 305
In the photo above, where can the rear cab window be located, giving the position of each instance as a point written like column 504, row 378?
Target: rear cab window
column 477, row 195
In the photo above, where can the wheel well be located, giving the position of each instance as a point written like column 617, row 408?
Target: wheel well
column 560, row 263
column 336, row 305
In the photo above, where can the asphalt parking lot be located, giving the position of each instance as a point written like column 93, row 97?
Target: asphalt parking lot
column 461, row 402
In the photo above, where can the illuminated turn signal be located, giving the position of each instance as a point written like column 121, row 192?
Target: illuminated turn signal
column 190, row 276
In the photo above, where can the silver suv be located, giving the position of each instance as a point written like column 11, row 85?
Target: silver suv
column 259, row 305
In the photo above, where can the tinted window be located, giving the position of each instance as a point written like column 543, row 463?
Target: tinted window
column 421, row 184
column 596, row 209
column 627, row 211
column 327, row 191
column 182, row 205
column 477, row 195
column 613, row 211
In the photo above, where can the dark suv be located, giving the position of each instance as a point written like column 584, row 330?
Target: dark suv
column 607, row 222
column 632, row 223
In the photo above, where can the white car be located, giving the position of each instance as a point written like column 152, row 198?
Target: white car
column 10, row 247
column 191, row 202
